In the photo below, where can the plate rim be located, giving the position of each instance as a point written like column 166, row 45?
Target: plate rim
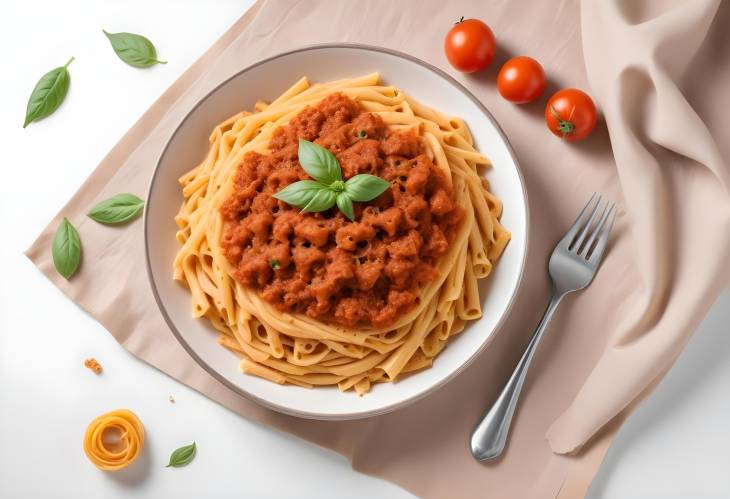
column 392, row 406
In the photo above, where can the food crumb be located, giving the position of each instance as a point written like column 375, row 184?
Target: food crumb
column 93, row 365
column 171, row 399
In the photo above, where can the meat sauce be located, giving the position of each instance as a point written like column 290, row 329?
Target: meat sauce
column 362, row 273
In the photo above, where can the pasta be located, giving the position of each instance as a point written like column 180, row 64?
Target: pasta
column 297, row 348
column 114, row 452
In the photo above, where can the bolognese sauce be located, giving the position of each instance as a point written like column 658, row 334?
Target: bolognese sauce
column 365, row 272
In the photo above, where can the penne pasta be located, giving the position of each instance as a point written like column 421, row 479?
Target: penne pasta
column 297, row 348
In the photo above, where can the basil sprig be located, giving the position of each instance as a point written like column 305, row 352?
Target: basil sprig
column 117, row 209
column 48, row 94
column 327, row 188
column 182, row 456
column 66, row 249
column 135, row 50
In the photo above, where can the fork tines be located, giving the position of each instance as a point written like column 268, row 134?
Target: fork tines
column 588, row 236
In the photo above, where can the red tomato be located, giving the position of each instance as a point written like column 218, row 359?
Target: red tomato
column 470, row 45
column 570, row 114
column 521, row 80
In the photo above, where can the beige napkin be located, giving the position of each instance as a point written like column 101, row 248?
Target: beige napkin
column 657, row 69
column 664, row 84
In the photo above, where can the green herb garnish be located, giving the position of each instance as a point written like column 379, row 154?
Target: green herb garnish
column 362, row 134
column 274, row 264
column 182, row 456
column 66, row 249
column 328, row 188
column 48, row 94
column 117, row 209
column 135, row 50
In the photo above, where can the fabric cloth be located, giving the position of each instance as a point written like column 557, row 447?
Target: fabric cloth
column 656, row 68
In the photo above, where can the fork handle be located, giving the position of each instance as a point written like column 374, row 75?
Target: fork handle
column 490, row 435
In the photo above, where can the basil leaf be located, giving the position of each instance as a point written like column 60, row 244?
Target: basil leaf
column 135, row 50
column 344, row 203
column 365, row 187
column 323, row 200
column 117, row 209
column 48, row 94
column 182, row 456
column 300, row 193
column 66, row 249
column 319, row 162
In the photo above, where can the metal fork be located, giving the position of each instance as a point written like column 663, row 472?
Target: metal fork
column 572, row 266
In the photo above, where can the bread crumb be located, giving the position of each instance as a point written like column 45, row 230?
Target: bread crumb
column 93, row 365
column 171, row 399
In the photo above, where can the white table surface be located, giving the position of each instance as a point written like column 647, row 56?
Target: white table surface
column 675, row 446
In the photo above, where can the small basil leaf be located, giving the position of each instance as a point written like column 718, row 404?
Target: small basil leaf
column 66, row 249
column 319, row 162
column 135, row 50
column 48, row 94
column 344, row 203
column 365, row 187
column 182, row 456
column 323, row 200
column 300, row 193
column 117, row 209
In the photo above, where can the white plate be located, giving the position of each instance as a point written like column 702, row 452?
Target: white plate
column 266, row 80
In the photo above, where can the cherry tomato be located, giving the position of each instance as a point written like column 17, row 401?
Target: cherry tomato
column 521, row 80
column 470, row 45
column 570, row 114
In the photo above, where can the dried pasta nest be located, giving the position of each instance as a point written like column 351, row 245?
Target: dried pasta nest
column 114, row 440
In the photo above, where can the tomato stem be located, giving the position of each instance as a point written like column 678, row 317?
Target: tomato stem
column 460, row 20
column 564, row 126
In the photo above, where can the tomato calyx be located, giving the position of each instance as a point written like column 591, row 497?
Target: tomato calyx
column 459, row 21
column 564, row 126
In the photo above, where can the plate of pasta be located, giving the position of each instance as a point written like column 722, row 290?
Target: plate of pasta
column 336, row 231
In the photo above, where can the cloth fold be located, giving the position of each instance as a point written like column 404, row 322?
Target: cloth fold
column 675, row 185
column 657, row 70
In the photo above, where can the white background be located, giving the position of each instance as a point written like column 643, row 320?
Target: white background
column 675, row 446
